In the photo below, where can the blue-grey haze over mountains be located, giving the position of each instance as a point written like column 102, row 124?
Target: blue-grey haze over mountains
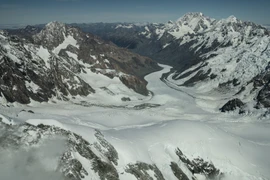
column 68, row 11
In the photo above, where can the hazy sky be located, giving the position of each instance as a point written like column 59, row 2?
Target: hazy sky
column 43, row 11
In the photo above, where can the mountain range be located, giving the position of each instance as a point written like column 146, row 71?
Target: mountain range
column 135, row 100
column 61, row 61
column 229, row 56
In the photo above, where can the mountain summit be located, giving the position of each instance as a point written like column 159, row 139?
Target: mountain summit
column 198, row 22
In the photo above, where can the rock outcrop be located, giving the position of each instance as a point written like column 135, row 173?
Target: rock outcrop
column 233, row 105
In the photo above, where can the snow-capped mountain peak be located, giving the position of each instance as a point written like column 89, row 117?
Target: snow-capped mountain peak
column 54, row 28
column 190, row 23
column 229, row 21
column 56, row 33
column 55, row 25
column 170, row 22
column 197, row 21
column 232, row 19
column 191, row 15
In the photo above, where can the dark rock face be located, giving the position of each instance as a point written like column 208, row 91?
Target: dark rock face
column 263, row 97
column 136, row 84
column 125, row 99
column 179, row 174
column 52, row 35
column 139, row 170
column 262, row 84
column 206, row 168
column 200, row 76
column 12, row 85
column 232, row 105
column 106, row 148
column 199, row 166
column 17, row 77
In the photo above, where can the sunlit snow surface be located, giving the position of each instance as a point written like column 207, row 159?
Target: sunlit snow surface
column 238, row 145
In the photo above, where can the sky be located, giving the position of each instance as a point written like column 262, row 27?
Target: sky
column 29, row 12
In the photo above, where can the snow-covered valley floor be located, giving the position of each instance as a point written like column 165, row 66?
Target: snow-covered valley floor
column 238, row 145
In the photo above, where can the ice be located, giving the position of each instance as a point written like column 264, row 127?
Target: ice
column 44, row 54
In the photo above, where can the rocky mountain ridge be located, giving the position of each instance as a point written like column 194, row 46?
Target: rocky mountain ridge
column 74, row 158
column 59, row 61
